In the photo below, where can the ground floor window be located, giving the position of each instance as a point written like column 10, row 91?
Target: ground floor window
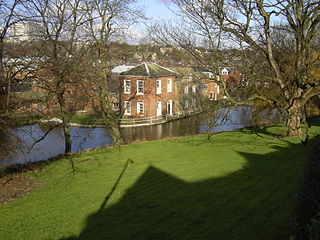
column 140, row 107
column 186, row 104
column 158, row 108
column 212, row 96
column 169, row 107
column 116, row 106
column 127, row 108
column 194, row 102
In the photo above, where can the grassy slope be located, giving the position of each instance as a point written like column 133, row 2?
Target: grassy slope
column 239, row 185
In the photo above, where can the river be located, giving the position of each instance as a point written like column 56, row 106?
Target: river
column 226, row 119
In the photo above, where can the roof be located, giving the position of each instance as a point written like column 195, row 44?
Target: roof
column 121, row 68
column 186, row 71
column 149, row 70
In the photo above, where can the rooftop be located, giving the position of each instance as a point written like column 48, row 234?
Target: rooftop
column 149, row 70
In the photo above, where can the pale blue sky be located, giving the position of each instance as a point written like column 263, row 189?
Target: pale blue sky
column 156, row 9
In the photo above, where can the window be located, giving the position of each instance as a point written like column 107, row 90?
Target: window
column 127, row 108
column 186, row 103
column 194, row 102
column 127, row 86
column 115, row 105
column 140, row 107
column 158, row 86
column 186, row 89
column 225, row 71
column 194, row 88
column 212, row 96
column 140, row 87
column 169, row 85
column 158, row 108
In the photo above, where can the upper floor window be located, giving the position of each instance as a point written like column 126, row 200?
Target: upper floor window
column 140, row 87
column 186, row 89
column 140, row 107
column 127, row 107
column 127, row 86
column 194, row 88
column 158, row 86
column 169, row 85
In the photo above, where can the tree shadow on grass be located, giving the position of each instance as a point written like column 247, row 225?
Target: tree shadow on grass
column 255, row 202
column 261, row 131
column 314, row 121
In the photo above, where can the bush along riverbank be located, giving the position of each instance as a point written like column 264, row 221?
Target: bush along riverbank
column 237, row 185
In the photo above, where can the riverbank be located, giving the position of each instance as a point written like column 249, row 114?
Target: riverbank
column 237, row 185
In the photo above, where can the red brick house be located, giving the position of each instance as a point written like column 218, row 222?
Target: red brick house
column 147, row 90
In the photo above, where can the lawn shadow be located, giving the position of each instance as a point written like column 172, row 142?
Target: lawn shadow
column 314, row 121
column 255, row 202
column 261, row 131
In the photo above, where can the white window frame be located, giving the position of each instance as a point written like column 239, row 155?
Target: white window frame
column 160, row 105
column 186, row 104
column 194, row 88
column 194, row 101
column 169, row 85
column 158, row 88
column 225, row 72
column 140, row 92
column 125, row 86
column 170, row 102
column 127, row 107
column 186, row 89
column 139, row 104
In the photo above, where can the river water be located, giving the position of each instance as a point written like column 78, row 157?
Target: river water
column 226, row 119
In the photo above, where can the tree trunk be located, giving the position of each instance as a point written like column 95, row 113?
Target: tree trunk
column 67, row 136
column 293, row 125
column 113, row 128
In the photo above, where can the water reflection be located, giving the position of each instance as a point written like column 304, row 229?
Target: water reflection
column 226, row 119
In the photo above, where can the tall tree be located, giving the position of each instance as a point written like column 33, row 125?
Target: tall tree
column 62, row 57
column 106, row 22
column 277, row 41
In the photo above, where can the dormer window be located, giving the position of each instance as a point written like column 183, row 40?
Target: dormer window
column 140, row 87
column 225, row 72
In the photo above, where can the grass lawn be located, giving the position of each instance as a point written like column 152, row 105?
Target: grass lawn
column 238, row 185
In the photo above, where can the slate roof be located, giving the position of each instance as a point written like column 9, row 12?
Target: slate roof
column 149, row 70
column 185, row 71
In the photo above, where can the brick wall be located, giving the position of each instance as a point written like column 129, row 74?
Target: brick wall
column 149, row 97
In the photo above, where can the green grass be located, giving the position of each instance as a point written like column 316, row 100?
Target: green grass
column 238, row 185
column 87, row 119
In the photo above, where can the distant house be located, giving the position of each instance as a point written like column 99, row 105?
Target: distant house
column 232, row 77
column 190, row 90
column 147, row 90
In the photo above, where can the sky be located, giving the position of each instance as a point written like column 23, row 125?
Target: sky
column 154, row 10
column 157, row 9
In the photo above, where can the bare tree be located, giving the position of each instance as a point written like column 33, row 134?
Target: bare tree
column 61, row 57
column 106, row 21
column 277, row 41
column 10, row 14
